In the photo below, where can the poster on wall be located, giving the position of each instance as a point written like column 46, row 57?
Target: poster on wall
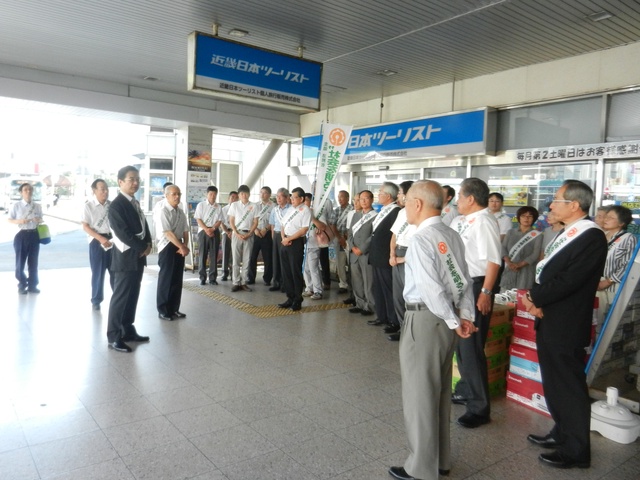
column 515, row 196
column 199, row 160
column 197, row 183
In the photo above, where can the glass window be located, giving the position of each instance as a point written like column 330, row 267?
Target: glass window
column 624, row 117
column 574, row 122
column 532, row 185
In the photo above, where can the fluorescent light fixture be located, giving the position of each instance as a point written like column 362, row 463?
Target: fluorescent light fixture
column 386, row 72
column 236, row 32
column 599, row 16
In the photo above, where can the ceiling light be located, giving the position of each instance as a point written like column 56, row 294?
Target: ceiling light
column 236, row 32
column 599, row 16
column 386, row 72
column 328, row 88
column 151, row 79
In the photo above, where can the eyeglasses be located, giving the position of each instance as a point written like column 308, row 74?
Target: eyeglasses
column 132, row 179
column 561, row 200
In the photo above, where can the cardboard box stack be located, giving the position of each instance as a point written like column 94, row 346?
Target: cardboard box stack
column 524, row 380
column 496, row 349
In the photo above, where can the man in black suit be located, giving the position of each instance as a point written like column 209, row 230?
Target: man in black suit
column 379, row 254
column 562, row 302
column 132, row 244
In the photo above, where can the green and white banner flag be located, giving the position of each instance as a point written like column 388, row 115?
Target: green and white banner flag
column 335, row 139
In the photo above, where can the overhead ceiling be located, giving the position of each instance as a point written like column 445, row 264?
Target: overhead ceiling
column 427, row 42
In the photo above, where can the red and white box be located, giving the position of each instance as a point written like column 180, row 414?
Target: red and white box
column 524, row 332
column 520, row 310
column 524, row 361
column 526, row 392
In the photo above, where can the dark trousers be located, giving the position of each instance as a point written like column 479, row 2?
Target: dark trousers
column 170, row 276
column 277, row 259
column 324, row 266
column 292, row 270
column 472, row 362
column 227, row 259
column 27, row 247
column 264, row 245
column 124, row 302
column 100, row 261
column 383, row 293
column 208, row 249
column 565, row 391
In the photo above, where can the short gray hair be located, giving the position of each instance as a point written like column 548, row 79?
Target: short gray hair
column 284, row 191
column 392, row 189
column 580, row 192
column 430, row 192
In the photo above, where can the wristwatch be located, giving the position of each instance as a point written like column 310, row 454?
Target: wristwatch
column 486, row 291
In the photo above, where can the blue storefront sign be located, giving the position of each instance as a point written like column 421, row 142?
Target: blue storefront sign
column 454, row 134
column 227, row 68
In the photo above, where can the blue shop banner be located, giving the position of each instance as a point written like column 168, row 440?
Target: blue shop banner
column 453, row 134
column 231, row 69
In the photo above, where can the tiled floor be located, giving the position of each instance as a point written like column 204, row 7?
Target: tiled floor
column 224, row 395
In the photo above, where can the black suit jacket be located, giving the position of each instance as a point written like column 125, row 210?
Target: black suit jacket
column 381, row 241
column 125, row 223
column 567, row 289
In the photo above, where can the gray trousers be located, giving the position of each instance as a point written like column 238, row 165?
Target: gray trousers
column 426, row 356
column 362, row 282
column 241, row 253
column 341, row 268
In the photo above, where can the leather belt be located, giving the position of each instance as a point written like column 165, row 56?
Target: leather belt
column 416, row 306
column 244, row 231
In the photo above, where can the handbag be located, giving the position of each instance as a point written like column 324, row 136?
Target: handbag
column 43, row 234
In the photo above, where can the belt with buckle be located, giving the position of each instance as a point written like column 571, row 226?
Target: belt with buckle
column 416, row 306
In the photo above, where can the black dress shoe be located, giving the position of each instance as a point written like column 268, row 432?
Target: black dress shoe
column 400, row 473
column 275, row 288
column 120, row 346
column 224, row 279
column 557, row 460
column 392, row 329
column 286, row 304
column 374, row 323
column 349, row 301
column 135, row 338
column 443, row 472
column 471, row 420
column 267, row 284
column 354, row 310
column 295, row 307
column 22, row 291
column 366, row 313
column 213, row 282
column 546, row 441
column 394, row 337
column 162, row 316
column 95, row 307
column 179, row 314
column 458, row 399
column 235, row 288
column 342, row 290
column 203, row 282
column 33, row 290
column 251, row 282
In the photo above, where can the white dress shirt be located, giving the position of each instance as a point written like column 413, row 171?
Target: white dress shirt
column 96, row 215
column 427, row 277
column 402, row 229
column 479, row 232
column 170, row 219
column 208, row 213
column 295, row 219
column 243, row 214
